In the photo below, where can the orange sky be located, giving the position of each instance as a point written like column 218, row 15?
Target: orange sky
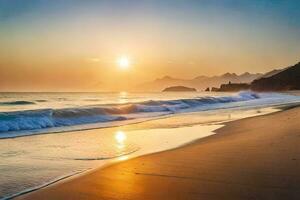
column 74, row 46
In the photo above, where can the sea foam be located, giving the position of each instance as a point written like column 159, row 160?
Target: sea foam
column 48, row 118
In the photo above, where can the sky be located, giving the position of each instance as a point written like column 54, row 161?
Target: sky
column 74, row 45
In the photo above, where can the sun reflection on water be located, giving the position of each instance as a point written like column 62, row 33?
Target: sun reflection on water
column 123, row 97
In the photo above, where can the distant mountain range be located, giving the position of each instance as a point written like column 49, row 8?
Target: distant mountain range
column 287, row 78
column 277, row 80
column 200, row 82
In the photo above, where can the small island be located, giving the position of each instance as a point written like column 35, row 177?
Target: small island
column 179, row 89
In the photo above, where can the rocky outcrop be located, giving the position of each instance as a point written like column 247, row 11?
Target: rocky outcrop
column 214, row 89
column 233, row 87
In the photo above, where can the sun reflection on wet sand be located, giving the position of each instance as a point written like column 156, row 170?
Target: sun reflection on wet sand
column 120, row 138
column 122, row 158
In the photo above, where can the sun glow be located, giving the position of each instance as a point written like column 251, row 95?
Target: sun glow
column 123, row 62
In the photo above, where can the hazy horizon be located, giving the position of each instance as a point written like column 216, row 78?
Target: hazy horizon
column 79, row 45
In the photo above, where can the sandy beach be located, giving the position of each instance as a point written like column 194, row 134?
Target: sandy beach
column 253, row 158
column 149, row 100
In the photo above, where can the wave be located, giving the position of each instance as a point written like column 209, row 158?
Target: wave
column 48, row 118
column 16, row 103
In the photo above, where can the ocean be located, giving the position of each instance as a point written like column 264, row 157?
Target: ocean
column 45, row 137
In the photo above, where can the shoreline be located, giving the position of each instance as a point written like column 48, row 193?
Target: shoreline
column 201, row 140
column 108, row 162
column 141, row 126
column 132, row 155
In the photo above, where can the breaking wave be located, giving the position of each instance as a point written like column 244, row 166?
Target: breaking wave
column 48, row 118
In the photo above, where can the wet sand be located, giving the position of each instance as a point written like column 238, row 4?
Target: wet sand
column 254, row 158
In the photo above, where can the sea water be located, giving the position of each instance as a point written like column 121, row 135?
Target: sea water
column 35, row 113
column 60, row 135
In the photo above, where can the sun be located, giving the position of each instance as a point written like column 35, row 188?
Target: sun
column 123, row 62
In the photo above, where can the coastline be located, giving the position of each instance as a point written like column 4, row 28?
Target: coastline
column 149, row 100
column 56, row 190
column 162, row 128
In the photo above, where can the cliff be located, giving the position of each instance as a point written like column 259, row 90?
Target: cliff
column 288, row 79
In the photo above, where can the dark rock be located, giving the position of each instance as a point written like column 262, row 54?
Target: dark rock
column 234, row 87
column 214, row 89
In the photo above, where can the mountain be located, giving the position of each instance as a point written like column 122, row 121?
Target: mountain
column 287, row 79
column 199, row 82
column 248, row 78
column 272, row 73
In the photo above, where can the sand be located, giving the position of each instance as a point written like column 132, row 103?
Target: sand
column 253, row 158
